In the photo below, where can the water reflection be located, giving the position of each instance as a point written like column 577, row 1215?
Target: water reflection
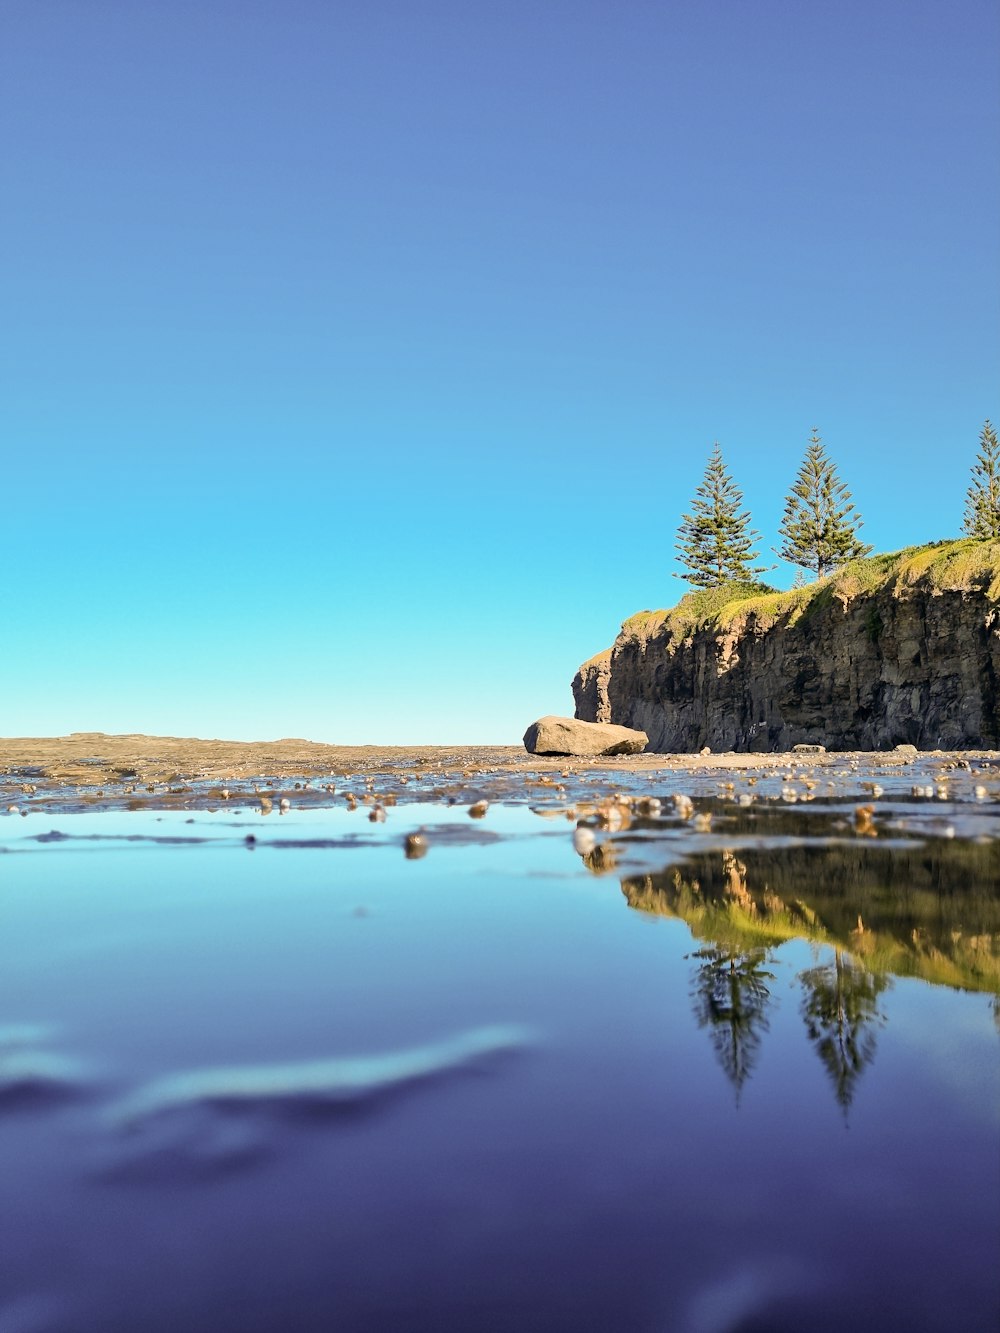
column 297, row 1102
column 911, row 912
column 840, row 1008
column 731, row 996
column 928, row 910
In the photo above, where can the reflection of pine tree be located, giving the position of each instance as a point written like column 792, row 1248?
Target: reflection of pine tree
column 730, row 996
column 840, row 1008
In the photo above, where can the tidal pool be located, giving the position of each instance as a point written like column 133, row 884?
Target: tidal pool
column 724, row 1068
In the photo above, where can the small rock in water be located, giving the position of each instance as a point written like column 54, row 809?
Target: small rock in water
column 415, row 846
column 683, row 805
column 602, row 859
column 612, row 814
column 980, row 793
column 284, row 804
column 377, row 814
column 584, row 840
column 863, row 820
column 479, row 809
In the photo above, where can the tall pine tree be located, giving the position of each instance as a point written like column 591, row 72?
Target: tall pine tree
column 820, row 528
column 715, row 540
column 982, row 503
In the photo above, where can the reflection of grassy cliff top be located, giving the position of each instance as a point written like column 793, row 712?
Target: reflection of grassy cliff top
column 947, row 566
column 928, row 912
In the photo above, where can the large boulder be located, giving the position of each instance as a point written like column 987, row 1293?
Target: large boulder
column 567, row 735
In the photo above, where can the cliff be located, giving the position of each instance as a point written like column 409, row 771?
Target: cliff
column 901, row 648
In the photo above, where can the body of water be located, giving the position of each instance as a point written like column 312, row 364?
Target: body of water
column 585, row 1062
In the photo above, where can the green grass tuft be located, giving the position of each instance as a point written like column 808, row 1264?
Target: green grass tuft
column 695, row 610
column 964, row 565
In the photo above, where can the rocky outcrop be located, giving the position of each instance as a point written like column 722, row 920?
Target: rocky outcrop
column 570, row 736
column 900, row 649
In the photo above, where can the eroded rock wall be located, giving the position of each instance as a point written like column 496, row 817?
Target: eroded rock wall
column 590, row 689
column 913, row 664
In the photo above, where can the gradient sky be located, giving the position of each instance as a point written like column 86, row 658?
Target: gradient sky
column 359, row 358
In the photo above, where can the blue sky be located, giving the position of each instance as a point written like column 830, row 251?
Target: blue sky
column 360, row 358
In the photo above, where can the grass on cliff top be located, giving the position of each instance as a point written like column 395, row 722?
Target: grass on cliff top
column 942, row 566
column 945, row 566
column 695, row 609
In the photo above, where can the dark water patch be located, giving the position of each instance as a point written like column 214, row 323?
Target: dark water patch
column 222, row 1118
column 159, row 839
column 32, row 1076
column 316, row 844
column 35, row 1080
column 200, row 1144
column 459, row 835
column 821, row 819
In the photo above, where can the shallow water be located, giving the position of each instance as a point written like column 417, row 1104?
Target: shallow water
column 735, row 1071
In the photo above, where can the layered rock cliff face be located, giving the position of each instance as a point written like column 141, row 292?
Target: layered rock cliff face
column 893, row 649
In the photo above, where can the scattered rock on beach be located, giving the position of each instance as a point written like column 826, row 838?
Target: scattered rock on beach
column 567, row 735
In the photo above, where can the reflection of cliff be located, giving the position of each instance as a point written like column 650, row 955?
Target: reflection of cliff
column 730, row 985
column 929, row 910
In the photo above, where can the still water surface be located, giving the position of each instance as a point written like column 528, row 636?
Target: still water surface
column 738, row 1077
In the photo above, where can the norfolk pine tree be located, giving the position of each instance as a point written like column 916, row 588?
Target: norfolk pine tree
column 715, row 540
column 982, row 503
column 819, row 529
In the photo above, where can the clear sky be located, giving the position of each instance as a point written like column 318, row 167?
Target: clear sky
column 359, row 358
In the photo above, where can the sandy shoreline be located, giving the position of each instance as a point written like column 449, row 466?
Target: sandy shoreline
column 94, row 759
